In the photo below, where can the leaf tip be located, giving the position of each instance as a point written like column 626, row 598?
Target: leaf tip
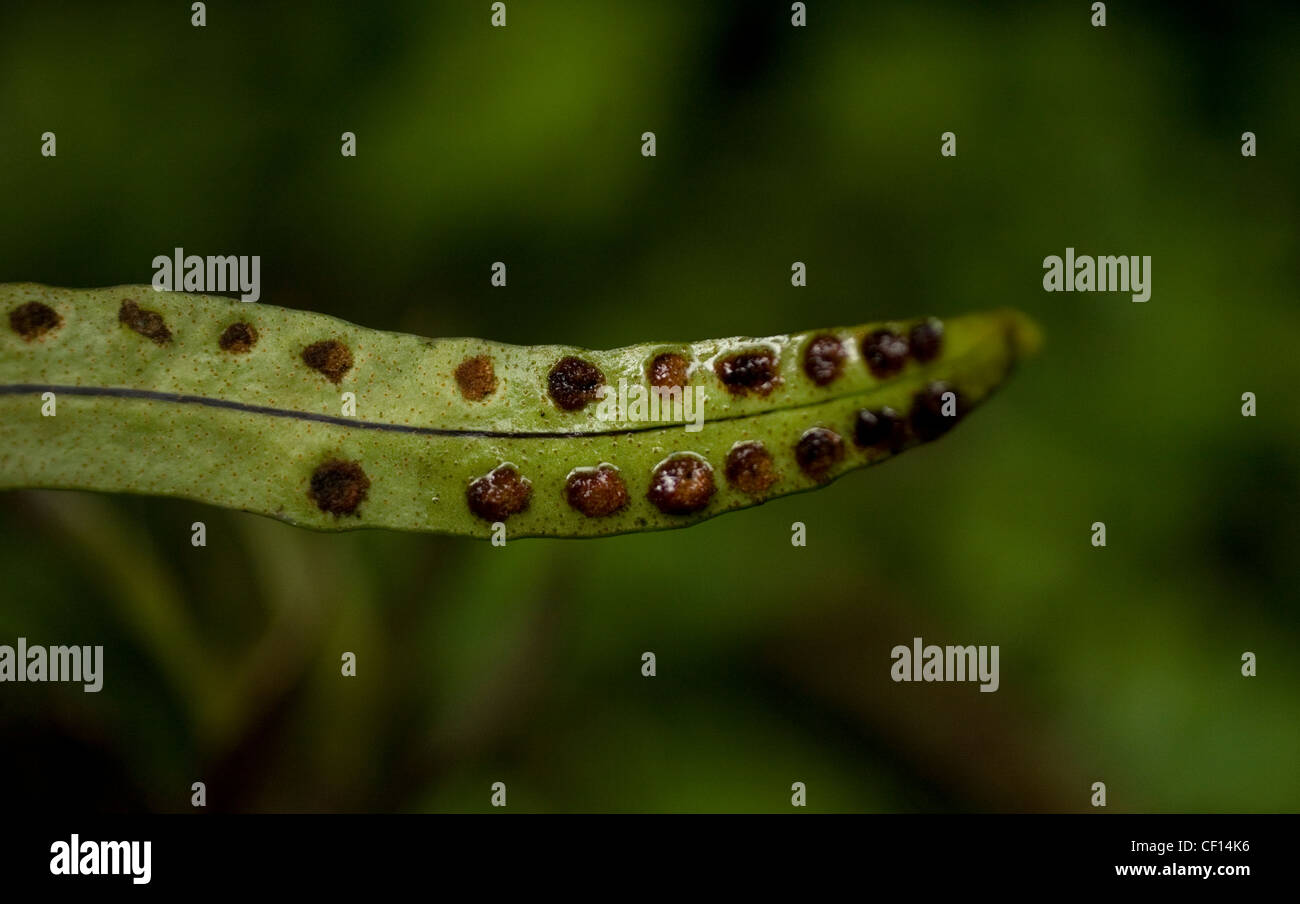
column 1023, row 333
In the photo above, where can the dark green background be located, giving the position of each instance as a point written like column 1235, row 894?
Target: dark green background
column 775, row 144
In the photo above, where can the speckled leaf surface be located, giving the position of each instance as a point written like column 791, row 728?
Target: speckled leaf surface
column 241, row 405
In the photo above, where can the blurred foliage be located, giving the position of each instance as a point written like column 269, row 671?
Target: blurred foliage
column 774, row 144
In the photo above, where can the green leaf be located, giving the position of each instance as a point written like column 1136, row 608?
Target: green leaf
column 246, row 406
